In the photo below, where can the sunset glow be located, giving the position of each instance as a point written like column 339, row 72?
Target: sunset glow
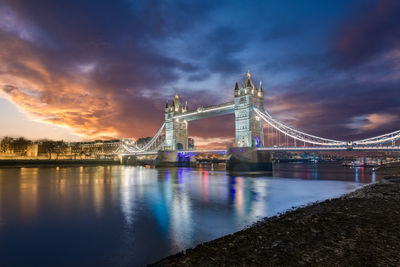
column 108, row 72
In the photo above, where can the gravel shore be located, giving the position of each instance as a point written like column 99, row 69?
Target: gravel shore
column 358, row 229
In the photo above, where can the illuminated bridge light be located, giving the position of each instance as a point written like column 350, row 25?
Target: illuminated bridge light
column 249, row 117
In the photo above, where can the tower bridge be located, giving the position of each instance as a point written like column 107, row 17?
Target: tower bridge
column 248, row 125
column 253, row 126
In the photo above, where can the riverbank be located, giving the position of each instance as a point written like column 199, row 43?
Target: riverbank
column 361, row 228
column 54, row 162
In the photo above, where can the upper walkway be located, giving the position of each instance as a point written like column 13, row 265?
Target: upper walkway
column 206, row 112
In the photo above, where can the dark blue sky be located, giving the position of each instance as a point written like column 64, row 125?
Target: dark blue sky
column 104, row 68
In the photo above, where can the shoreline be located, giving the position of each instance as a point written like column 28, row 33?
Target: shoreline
column 33, row 163
column 358, row 228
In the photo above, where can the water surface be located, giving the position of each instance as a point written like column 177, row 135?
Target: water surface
column 129, row 216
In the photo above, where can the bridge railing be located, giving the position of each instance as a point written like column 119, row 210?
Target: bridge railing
column 227, row 105
column 296, row 134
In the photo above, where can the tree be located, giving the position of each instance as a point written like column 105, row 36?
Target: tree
column 20, row 145
column 5, row 143
column 47, row 146
column 60, row 148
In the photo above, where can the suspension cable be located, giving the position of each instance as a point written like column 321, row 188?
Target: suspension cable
column 296, row 134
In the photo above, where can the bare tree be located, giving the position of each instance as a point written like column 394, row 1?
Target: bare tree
column 5, row 143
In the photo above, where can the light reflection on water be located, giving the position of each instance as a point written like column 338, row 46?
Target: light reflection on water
column 122, row 215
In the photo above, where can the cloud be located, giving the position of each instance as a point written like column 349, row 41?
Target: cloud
column 227, row 42
column 106, row 68
column 378, row 120
column 12, row 23
column 95, row 78
column 215, row 143
column 369, row 33
column 330, row 111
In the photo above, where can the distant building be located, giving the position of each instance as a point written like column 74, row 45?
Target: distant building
column 50, row 149
column 190, row 143
column 18, row 146
column 143, row 141
column 94, row 148
column 32, row 150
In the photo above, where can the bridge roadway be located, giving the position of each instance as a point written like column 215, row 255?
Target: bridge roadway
column 276, row 149
column 206, row 112
column 196, row 151
column 332, row 148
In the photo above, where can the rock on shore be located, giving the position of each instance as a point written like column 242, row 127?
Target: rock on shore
column 358, row 229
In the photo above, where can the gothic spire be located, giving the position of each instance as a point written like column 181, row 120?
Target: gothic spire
column 177, row 103
column 249, row 81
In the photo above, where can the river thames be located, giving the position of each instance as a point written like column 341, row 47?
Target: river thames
column 131, row 216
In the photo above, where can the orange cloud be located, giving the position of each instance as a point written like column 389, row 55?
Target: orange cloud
column 54, row 98
column 377, row 120
column 214, row 143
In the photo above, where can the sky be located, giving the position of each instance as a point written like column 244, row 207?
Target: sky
column 93, row 69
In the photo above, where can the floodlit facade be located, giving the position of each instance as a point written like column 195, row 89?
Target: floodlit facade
column 248, row 126
column 176, row 130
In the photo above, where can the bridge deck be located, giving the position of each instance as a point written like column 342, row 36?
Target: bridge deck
column 288, row 149
column 339, row 148
column 205, row 112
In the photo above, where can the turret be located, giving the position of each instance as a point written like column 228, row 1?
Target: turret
column 237, row 90
column 175, row 128
column 260, row 93
column 249, row 82
column 248, row 127
column 177, row 104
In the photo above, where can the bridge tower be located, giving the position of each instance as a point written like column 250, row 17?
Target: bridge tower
column 248, row 126
column 176, row 130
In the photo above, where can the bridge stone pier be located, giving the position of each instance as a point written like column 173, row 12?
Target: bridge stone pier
column 242, row 159
column 174, row 158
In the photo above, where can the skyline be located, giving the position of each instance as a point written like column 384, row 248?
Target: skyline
column 106, row 69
